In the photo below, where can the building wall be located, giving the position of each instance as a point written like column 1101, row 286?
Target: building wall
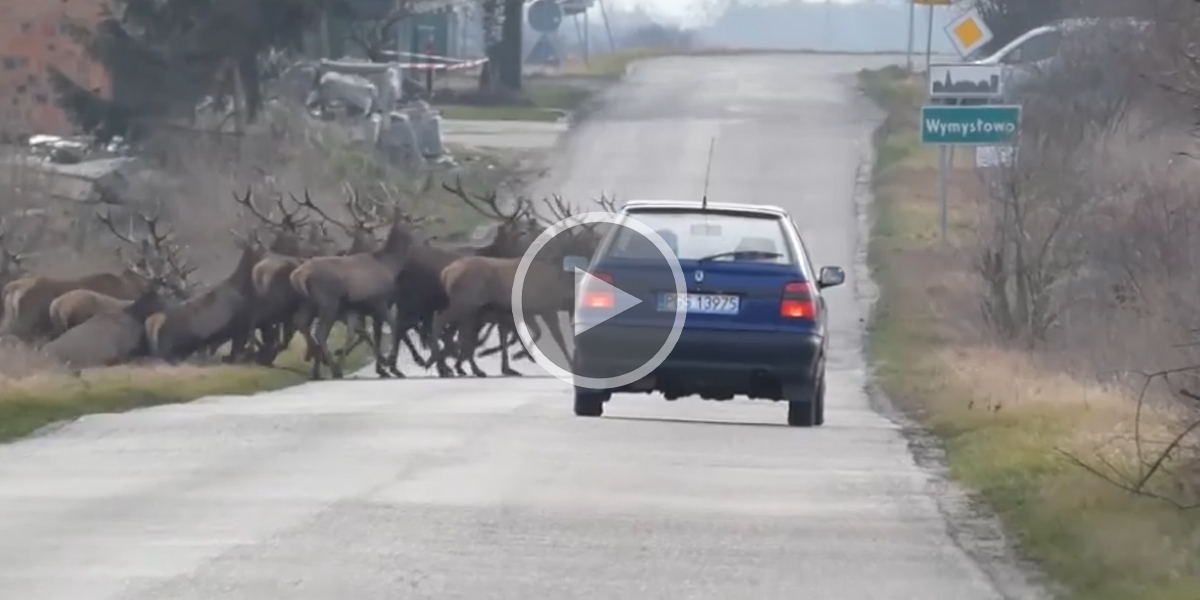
column 33, row 38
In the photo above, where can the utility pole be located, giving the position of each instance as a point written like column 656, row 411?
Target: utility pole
column 912, row 24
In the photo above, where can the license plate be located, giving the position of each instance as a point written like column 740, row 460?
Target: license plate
column 710, row 304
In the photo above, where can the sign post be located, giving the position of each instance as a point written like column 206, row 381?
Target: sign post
column 947, row 123
column 949, row 126
column 912, row 14
column 912, row 18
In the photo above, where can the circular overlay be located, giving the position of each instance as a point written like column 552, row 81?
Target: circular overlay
column 638, row 349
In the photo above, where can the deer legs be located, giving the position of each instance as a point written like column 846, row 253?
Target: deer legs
column 318, row 341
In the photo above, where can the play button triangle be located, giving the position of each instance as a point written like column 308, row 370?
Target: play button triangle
column 623, row 301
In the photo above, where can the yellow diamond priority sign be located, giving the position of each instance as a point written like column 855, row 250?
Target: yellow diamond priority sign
column 968, row 32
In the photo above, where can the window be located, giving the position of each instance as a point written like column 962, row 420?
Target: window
column 693, row 235
column 10, row 63
column 41, row 99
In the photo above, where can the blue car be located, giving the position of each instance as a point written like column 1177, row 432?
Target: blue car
column 755, row 321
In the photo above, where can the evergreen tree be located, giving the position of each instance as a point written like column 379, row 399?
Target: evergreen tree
column 164, row 56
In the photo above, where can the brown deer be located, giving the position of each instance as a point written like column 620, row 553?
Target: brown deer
column 364, row 283
column 275, row 303
column 107, row 339
column 159, row 260
column 586, row 239
column 27, row 300
column 12, row 262
column 207, row 320
column 419, row 291
column 480, row 287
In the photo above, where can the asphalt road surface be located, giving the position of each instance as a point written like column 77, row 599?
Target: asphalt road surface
column 490, row 488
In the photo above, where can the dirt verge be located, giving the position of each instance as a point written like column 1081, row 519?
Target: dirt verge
column 1005, row 420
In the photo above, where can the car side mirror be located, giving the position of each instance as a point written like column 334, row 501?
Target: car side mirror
column 570, row 263
column 830, row 277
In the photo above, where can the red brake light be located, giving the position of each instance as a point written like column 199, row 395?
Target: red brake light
column 596, row 298
column 798, row 301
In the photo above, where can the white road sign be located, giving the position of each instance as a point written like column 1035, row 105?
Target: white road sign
column 966, row 81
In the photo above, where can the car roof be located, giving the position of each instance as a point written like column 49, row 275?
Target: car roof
column 1060, row 25
column 763, row 209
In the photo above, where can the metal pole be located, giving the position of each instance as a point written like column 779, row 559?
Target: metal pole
column 929, row 40
column 612, row 46
column 587, row 37
column 943, row 167
column 912, row 23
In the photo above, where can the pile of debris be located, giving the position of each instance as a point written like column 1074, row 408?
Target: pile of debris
column 376, row 98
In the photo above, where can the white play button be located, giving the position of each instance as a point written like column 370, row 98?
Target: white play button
column 598, row 301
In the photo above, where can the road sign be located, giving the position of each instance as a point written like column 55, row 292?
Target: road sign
column 966, row 81
column 574, row 7
column 933, row 2
column 994, row 156
column 968, row 32
column 544, row 16
column 970, row 125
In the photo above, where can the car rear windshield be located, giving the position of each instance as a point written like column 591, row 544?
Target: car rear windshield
column 694, row 235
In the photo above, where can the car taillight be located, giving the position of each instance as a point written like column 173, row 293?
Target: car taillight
column 593, row 298
column 798, row 301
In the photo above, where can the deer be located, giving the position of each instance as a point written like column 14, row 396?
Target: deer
column 107, row 339
column 361, row 282
column 419, row 291
column 12, row 262
column 361, row 230
column 585, row 241
column 27, row 300
column 481, row 285
column 159, row 260
column 209, row 319
column 275, row 303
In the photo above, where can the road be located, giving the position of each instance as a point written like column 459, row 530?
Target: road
column 490, row 489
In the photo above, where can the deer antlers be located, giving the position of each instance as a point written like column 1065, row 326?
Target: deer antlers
column 159, row 258
column 486, row 204
column 289, row 222
column 364, row 219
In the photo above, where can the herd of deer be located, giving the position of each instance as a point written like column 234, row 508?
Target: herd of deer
column 450, row 295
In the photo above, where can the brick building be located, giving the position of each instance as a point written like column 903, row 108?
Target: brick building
column 32, row 38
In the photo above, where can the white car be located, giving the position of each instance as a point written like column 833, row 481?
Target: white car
column 1037, row 49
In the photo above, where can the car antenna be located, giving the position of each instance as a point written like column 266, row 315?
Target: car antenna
column 707, row 171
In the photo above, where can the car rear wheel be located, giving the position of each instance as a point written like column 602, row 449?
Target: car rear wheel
column 590, row 403
column 819, row 403
column 806, row 406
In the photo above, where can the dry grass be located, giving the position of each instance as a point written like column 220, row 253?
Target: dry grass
column 34, row 392
column 200, row 174
column 1005, row 416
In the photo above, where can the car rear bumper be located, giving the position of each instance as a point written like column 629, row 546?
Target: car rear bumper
column 736, row 360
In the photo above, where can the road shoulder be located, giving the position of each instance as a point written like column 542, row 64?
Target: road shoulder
column 993, row 419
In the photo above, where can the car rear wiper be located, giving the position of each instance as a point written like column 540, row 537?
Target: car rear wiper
column 739, row 254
